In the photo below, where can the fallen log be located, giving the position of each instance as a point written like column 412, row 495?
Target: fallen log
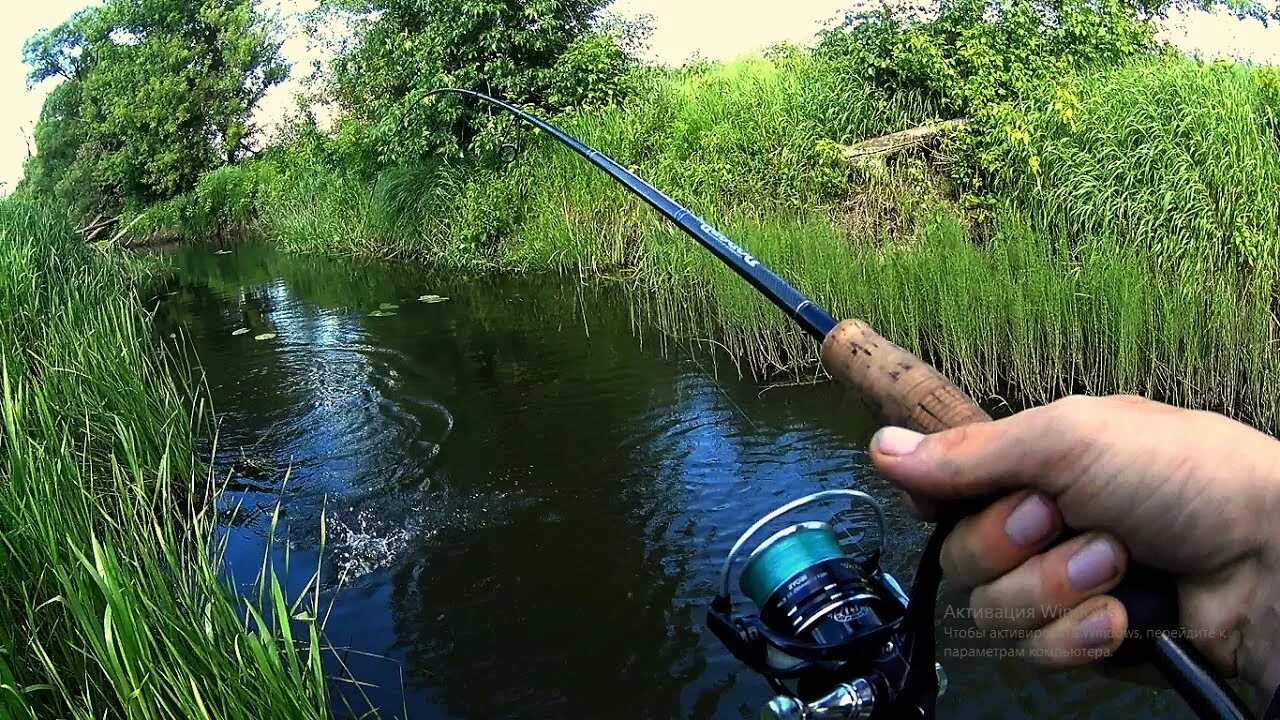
column 100, row 226
column 96, row 222
column 923, row 137
column 115, row 239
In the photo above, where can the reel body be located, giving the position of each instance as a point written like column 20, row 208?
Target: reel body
column 832, row 634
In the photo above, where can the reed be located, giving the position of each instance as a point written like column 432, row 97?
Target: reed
column 1142, row 299
column 1180, row 159
column 114, row 602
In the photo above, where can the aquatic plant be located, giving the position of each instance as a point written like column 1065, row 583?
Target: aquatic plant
column 1026, row 309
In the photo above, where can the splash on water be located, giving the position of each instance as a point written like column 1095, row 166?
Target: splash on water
column 365, row 545
column 368, row 540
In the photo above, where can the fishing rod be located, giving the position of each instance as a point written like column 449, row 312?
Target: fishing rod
column 836, row 636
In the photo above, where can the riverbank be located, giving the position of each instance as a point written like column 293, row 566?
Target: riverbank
column 1121, row 246
column 115, row 605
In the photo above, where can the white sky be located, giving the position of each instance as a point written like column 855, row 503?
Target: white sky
column 715, row 29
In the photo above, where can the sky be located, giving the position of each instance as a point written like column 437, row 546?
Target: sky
column 714, row 29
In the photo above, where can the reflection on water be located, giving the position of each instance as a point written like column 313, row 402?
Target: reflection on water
column 524, row 511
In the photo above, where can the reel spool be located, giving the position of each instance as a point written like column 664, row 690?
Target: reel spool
column 831, row 634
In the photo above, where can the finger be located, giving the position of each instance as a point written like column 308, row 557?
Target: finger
column 1030, row 449
column 1089, row 632
column 1215, row 607
column 1011, row 531
column 920, row 506
column 1049, row 584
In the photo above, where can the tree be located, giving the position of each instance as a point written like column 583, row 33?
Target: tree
column 524, row 51
column 153, row 93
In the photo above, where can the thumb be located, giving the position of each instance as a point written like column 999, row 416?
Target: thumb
column 975, row 461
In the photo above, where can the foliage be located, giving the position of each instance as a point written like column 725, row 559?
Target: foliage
column 978, row 59
column 153, row 94
column 1190, row 174
column 744, row 134
column 1269, row 90
column 543, row 53
column 1062, row 192
column 977, row 53
column 224, row 202
column 115, row 603
column 1086, row 280
column 592, row 72
column 1125, row 246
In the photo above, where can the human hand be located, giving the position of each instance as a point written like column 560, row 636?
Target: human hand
column 1191, row 493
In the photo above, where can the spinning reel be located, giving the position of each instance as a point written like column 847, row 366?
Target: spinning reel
column 835, row 635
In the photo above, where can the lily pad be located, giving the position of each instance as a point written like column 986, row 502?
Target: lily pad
column 432, row 299
column 241, row 331
column 388, row 306
column 265, row 336
column 381, row 313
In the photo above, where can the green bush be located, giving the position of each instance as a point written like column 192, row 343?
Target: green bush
column 225, row 202
column 541, row 54
column 1093, row 228
column 594, row 71
column 1269, row 87
column 979, row 59
column 151, row 95
column 978, row 53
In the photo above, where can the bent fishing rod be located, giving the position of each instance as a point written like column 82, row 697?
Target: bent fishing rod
column 836, row 636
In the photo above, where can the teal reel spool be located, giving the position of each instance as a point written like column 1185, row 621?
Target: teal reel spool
column 786, row 555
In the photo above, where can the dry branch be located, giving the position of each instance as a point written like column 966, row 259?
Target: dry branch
column 98, row 228
column 923, row 137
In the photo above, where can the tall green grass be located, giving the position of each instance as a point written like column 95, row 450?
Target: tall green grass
column 113, row 601
column 224, row 204
column 756, row 136
column 1176, row 158
column 1142, row 300
column 1011, row 317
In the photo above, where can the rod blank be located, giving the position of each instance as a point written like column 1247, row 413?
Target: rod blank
column 813, row 319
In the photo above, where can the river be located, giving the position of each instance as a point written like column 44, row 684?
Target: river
column 523, row 493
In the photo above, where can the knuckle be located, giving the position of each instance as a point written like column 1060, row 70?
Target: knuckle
column 1075, row 422
column 946, row 449
column 980, row 606
column 1024, row 594
column 1132, row 400
column 961, row 562
column 1074, row 403
column 1040, row 589
column 1075, row 408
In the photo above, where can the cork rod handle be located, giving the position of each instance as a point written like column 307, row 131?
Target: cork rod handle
column 898, row 387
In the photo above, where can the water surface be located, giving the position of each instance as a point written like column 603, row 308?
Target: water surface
column 525, row 501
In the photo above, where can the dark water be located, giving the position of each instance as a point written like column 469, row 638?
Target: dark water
column 525, row 501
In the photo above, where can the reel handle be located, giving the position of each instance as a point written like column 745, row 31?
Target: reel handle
column 901, row 389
